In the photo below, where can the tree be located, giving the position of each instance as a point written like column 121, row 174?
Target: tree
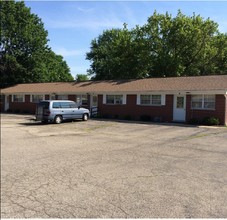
column 24, row 52
column 164, row 46
column 117, row 54
column 81, row 77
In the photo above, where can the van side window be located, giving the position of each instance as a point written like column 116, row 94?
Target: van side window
column 56, row 105
column 65, row 104
column 73, row 105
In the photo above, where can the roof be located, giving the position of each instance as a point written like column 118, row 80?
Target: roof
column 168, row 84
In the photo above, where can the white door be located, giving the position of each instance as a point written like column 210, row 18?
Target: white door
column 179, row 108
column 94, row 105
column 6, row 102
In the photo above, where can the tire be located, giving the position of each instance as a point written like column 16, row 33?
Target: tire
column 85, row 117
column 58, row 119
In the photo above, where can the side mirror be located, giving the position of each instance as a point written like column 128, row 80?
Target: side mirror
column 79, row 107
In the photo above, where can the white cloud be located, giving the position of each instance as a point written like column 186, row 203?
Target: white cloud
column 67, row 53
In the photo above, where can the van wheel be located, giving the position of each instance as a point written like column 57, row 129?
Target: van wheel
column 58, row 119
column 85, row 117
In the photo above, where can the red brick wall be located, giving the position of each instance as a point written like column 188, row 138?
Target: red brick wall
column 134, row 111
column 72, row 97
column 164, row 113
column 219, row 112
column 22, row 107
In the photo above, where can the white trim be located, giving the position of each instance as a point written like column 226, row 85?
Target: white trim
column 163, row 99
column 203, row 101
column 104, row 98
column 124, row 101
column 124, row 98
column 138, row 99
column 166, row 92
column 31, row 99
column 12, row 98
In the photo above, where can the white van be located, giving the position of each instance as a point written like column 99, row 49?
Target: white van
column 59, row 110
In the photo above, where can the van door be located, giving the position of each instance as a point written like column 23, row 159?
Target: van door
column 66, row 110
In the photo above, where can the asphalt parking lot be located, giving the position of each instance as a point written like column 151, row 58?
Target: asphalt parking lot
column 112, row 169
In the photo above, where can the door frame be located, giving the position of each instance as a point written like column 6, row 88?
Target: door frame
column 179, row 114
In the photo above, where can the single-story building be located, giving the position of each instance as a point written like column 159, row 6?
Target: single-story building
column 161, row 99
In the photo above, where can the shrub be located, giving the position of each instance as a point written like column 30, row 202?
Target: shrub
column 145, row 118
column 194, row 121
column 128, row 117
column 211, row 121
column 17, row 111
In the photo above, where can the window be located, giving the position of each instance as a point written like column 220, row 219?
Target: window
column 36, row 98
column 52, row 97
column 114, row 99
column 180, row 102
column 150, row 99
column 62, row 97
column 17, row 98
column 94, row 100
column 203, row 102
column 65, row 105
column 56, row 105
column 82, row 99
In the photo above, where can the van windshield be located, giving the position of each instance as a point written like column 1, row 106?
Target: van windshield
column 45, row 105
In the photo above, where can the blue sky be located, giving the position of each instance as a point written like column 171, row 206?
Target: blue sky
column 72, row 25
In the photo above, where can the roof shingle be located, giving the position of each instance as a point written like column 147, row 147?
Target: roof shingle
column 196, row 83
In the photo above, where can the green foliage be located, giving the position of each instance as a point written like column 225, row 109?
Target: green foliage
column 24, row 53
column 116, row 55
column 211, row 121
column 127, row 117
column 145, row 118
column 194, row 121
column 164, row 46
column 81, row 77
column 205, row 121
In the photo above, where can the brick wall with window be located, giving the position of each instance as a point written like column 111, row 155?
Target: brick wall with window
column 134, row 111
column 22, row 107
column 201, row 106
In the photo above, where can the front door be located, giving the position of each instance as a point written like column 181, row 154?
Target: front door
column 179, row 109
column 94, row 105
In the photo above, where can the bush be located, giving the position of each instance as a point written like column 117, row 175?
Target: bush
column 26, row 112
column 17, row 111
column 128, row 117
column 145, row 118
column 211, row 121
column 194, row 121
